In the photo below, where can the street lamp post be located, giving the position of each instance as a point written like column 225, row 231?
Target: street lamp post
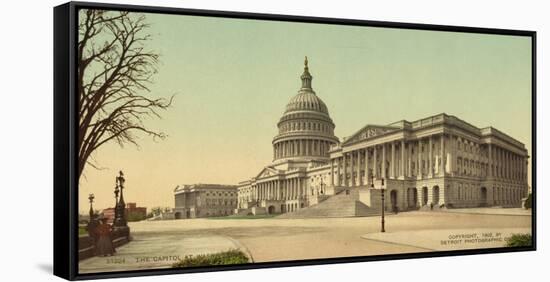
column 120, row 209
column 91, row 197
column 117, row 191
column 383, row 222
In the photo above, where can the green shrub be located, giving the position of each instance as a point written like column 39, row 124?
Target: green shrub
column 82, row 230
column 529, row 202
column 519, row 240
column 228, row 257
column 135, row 216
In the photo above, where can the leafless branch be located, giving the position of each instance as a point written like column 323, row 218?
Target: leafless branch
column 114, row 74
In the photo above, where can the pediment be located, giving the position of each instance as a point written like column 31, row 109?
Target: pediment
column 369, row 131
column 266, row 172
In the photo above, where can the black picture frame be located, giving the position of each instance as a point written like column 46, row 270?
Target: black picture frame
column 65, row 133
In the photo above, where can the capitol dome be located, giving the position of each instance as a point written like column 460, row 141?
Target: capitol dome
column 306, row 101
column 306, row 130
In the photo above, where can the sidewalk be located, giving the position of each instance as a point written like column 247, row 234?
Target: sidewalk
column 148, row 251
column 493, row 211
column 448, row 239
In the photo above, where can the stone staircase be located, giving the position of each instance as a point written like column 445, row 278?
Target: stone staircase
column 339, row 205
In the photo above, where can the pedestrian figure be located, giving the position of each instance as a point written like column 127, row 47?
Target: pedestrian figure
column 92, row 226
column 432, row 206
column 104, row 244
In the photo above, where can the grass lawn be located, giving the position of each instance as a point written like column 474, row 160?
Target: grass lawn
column 228, row 257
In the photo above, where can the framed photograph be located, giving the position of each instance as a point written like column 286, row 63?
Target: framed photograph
column 194, row 140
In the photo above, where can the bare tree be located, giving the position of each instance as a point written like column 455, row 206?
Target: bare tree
column 114, row 71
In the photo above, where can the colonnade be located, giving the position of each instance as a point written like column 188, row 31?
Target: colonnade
column 506, row 164
column 301, row 147
column 287, row 189
column 436, row 155
column 391, row 160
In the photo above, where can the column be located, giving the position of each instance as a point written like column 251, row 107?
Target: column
column 358, row 168
column 352, row 167
column 338, row 170
column 392, row 161
column 287, row 189
column 344, row 176
column 490, row 151
column 384, row 162
column 367, row 166
column 512, row 168
column 525, row 169
column 501, row 162
column 287, row 144
column 402, row 173
column 287, row 150
column 302, row 188
column 454, row 154
column 430, row 156
column 332, row 172
column 497, row 164
column 442, row 155
column 295, row 189
column 509, row 164
column 419, row 166
column 289, row 195
column 409, row 161
column 375, row 162
column 505, row 165
column 516, row 167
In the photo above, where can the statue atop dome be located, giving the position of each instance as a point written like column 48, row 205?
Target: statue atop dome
column 306, row 76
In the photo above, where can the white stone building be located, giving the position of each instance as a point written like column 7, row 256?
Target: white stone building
column 204, row 200
column 438, row 162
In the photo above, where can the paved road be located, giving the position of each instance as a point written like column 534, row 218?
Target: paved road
column 296, row 239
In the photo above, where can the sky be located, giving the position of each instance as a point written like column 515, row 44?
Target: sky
column 232, row 79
